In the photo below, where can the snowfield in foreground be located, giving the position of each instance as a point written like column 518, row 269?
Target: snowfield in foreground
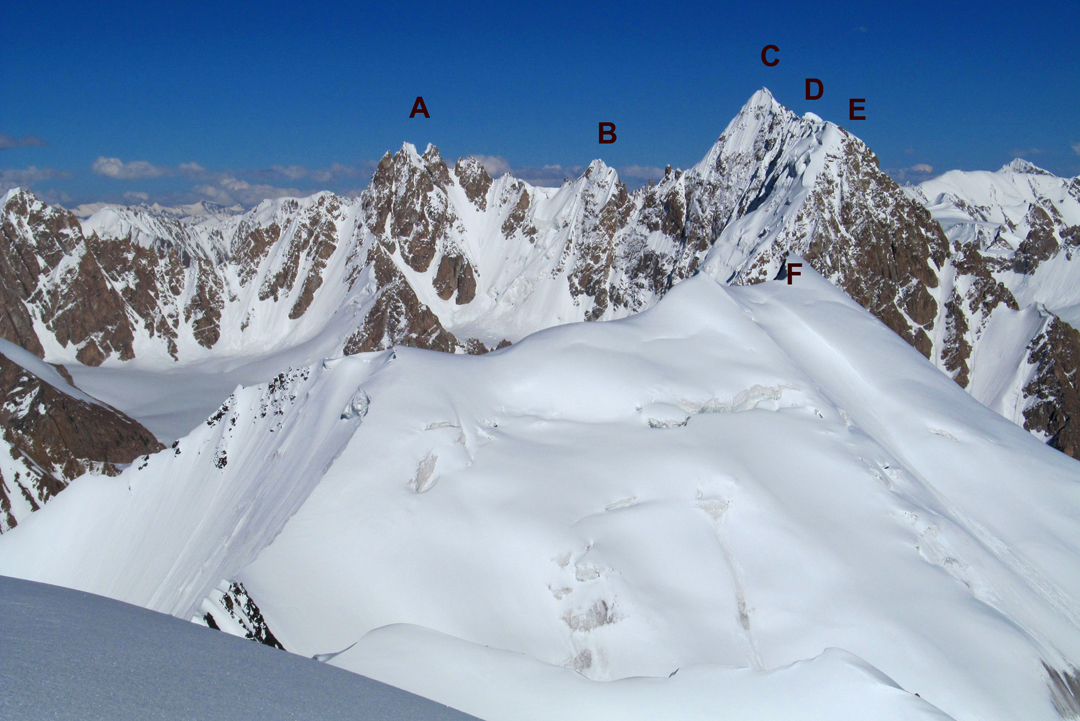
column 72, row 656
column 750, row 501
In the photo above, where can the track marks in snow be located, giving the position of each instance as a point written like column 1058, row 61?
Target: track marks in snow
column 716, row 510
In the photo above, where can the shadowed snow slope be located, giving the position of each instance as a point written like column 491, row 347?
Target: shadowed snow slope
column 738, row 478
column 73, row 656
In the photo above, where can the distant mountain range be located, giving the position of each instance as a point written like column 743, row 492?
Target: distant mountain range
column 735, row 472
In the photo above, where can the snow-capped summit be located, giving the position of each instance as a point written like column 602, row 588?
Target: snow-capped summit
column 1019, row 165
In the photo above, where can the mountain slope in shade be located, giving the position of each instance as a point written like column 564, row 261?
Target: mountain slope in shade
column 74, row 656
column 54, row 433
column 739, row 477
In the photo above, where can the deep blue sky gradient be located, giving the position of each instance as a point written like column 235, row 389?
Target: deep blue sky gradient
column 240, row 88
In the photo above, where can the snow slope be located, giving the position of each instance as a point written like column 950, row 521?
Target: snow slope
column 738, row 478
column 72, row 655
column 1012, row 234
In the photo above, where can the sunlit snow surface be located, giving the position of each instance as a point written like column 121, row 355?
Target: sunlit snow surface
column 728, row 484
column 72, row 656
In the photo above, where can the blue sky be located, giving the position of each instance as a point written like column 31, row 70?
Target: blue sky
column 112, row 101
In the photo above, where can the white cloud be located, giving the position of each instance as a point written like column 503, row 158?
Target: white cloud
column 318, row 175
column 25, row 177
column 136, row 196
column 917, row 173
column 1076, row 148
column 495, row 165
column 1025, row 152
column 141, row 169
column 642, row 172
column 234, row 184
column 135, row 170
column 292, row 172
column 230, row 191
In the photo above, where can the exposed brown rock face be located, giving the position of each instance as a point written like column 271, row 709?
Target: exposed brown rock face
column 398, row 317
column 93, row 294
column 35, row 239
column 312, row 244
column 455, row 275
column 882, row 248
column 403, row 191
column 230, row 600
column 516, row 219
column 1055, row 387
column 57, row 438
column 252, row 244
column 474, row 180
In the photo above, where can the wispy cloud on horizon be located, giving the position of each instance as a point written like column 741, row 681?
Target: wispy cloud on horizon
column 25, row 177
column 7, row 142
column 912, row 175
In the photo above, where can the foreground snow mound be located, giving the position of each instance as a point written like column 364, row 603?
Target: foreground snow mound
column 71, row 655
column 739, row 478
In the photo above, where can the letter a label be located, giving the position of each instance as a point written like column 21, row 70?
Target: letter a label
column 607, row 133
column 419, row 107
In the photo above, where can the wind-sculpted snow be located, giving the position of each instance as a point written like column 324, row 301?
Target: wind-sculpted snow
column 811, row 482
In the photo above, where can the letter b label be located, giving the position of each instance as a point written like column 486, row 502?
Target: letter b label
column 607, row 133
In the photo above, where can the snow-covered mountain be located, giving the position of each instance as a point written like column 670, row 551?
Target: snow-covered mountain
column 737, row 478
column 1012, row 291
column 446, row 258
column 709, row 492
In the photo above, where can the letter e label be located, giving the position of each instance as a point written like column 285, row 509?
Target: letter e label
column 852, row 108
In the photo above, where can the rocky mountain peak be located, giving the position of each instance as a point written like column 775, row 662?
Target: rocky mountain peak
column 474, row 180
